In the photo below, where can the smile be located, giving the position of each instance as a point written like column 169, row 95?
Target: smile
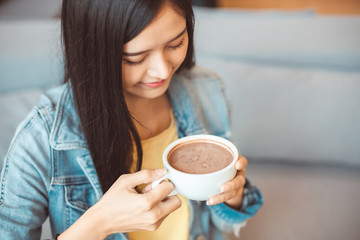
column 154, row 84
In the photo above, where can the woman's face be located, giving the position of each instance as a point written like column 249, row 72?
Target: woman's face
column 151, row 58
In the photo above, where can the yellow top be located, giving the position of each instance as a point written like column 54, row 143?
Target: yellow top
column 175, row 226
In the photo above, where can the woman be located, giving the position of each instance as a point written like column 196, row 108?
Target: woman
column 85, row 153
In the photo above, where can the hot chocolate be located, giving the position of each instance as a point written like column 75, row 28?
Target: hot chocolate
column 200, row 157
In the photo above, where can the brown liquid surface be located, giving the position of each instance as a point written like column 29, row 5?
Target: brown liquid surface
column 200, row 157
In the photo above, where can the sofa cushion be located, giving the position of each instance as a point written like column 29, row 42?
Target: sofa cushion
column 296, row 39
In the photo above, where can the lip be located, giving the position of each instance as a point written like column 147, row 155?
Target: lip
column 154, row 84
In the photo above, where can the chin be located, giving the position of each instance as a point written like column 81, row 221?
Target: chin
column 149, row 94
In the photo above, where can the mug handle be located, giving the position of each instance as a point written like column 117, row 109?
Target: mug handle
column 157, row 182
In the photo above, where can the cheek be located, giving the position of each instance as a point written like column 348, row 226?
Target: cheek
column 179, row 57
column 131, row 75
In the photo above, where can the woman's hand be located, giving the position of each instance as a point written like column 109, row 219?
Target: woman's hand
column 123, row 209
column 232, row 191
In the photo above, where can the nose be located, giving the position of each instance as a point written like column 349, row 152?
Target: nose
column 160, row 67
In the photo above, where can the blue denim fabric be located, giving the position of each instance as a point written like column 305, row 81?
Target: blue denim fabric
column 48, row 170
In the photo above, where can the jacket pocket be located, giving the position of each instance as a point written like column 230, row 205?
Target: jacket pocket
column 80, row 197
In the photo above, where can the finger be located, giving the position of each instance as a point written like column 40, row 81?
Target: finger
column 160, row 192
column 223, row 197
column 169, row 205
column 156, row 225
column 144, row 176
column 235, row 183
column 147, row 188
column 158, row 214
column 241, row 163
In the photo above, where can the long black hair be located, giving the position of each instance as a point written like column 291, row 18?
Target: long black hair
column 94, row 33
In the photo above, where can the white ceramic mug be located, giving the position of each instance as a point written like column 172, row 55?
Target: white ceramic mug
column 199, row 187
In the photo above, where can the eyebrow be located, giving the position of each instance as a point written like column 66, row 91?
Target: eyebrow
column 142, row 52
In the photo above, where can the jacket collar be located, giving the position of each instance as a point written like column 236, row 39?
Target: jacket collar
column 186, row 107
column 66, row 132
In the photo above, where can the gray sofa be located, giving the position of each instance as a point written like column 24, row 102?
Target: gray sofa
column 293, row 79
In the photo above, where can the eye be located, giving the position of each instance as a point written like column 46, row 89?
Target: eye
column 177, row 46
column 131, row 63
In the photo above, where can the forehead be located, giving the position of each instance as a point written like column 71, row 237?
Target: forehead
column 167, row 25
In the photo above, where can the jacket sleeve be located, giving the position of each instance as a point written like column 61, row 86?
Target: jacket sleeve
column 230, row 220
column 25, row 181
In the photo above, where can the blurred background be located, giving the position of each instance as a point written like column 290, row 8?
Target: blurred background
column 292, row 72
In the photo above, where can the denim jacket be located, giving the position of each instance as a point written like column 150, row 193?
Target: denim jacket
column 48, row 170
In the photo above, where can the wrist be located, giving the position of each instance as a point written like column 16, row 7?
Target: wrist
column 92, row 225
column 98, row 221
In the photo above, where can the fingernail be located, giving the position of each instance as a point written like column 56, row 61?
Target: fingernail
column 160, row 171
column 209, row 202
column 238, row 165
column 224, row 188
column 147, row 189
